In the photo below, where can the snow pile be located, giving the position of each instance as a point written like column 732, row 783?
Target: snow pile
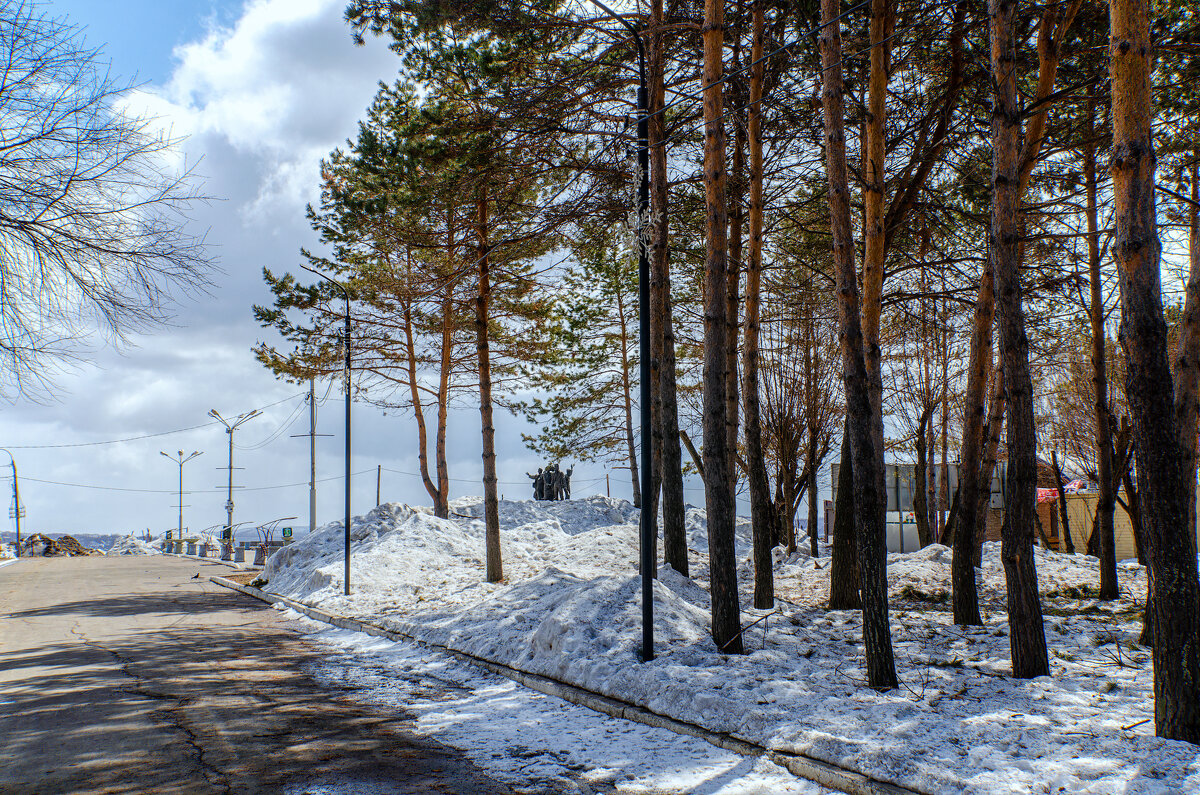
column 570, row 609
column 7, row 550
column 129, row 545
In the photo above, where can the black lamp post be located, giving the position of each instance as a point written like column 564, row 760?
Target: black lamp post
column 648, row 523
column 345, row 295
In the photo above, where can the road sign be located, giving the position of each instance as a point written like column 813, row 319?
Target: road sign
column 287, row 532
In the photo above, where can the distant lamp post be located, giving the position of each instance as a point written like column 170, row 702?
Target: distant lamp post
column 181, row 460
column 230, row 427
column 18, row 510
column 345, row 295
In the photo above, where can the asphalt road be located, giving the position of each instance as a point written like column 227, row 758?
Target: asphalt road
column 125, row 674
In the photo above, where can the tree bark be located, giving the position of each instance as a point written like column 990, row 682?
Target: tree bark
column 491, row 503
column 762, row 513
column 1107, row 500
column 671, row 456
column 718, row 496
column 1174, row 599
column 737, row 198
column 920, row 481
column 843, row 564
column 441, row 504
column 1187, row 355
column 866, row 453
column 965, row 594
column 1027, row 638
column 1064, row 515
column 414, row 395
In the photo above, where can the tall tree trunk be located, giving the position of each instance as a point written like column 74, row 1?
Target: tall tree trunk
column 414, row 395
column 843, row 563
column 737, row 198
column 920, row 481
column 1027, row 637
column 867, row 455
column 441, row 504
column 718, row 496
column 671, row 457
column 491, row 503
column 1187, row 355
column 1174, row 599
column 965, row 594
column 1107, row 500
column 987, row 466
column 762, row 513
column 812, row 497
column 1064, row 515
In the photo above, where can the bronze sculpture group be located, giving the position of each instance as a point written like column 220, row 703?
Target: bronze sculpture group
column 552, row 483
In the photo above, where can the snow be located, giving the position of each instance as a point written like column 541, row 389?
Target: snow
column 529, row 740
column 570, row 609
column 129, row 545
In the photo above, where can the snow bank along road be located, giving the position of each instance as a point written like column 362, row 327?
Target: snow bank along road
column 128, row 675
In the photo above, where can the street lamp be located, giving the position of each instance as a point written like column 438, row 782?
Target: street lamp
column 17, row 509
column 345, row 295
column 181, row 460
column 230, row 427
column 648, row 522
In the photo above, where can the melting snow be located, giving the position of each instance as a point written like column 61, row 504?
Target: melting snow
column 570, row 609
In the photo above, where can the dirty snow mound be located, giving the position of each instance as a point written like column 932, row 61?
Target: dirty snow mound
column 129, row 545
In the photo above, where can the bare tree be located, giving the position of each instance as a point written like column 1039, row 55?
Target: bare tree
column 92, row 217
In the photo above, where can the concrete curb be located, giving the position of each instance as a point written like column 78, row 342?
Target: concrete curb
column 231, row 564
column 824, row 773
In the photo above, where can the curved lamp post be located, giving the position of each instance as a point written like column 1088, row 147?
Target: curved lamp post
column 230, row 427
column 181, row 460
column 345, row 295
column 648, row 523
column 16, row 501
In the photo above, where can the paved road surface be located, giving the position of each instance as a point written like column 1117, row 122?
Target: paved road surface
column 125, row 674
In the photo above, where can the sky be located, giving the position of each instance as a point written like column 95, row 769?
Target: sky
column 261, row 90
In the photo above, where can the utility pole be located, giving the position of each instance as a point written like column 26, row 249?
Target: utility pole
column 378, row 480
column 312, row 453
column 179, row 459
column 346, row 373
column 230, row 427
column 18, row 510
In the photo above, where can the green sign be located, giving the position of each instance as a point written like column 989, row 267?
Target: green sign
column 287, row 532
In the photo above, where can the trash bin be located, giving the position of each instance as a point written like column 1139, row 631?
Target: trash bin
column 239, row 555
column 191, row 547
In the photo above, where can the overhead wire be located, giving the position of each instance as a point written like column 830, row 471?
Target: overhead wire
column 134, row 438
column 214, row 490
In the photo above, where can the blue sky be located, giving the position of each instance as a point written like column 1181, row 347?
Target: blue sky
column 258, row 92
column 139, row 36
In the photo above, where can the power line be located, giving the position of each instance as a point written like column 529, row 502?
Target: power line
column 216, row 490
column 134, row 438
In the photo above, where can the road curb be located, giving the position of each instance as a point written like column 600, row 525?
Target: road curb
column 231, row 564
column 824, row 773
